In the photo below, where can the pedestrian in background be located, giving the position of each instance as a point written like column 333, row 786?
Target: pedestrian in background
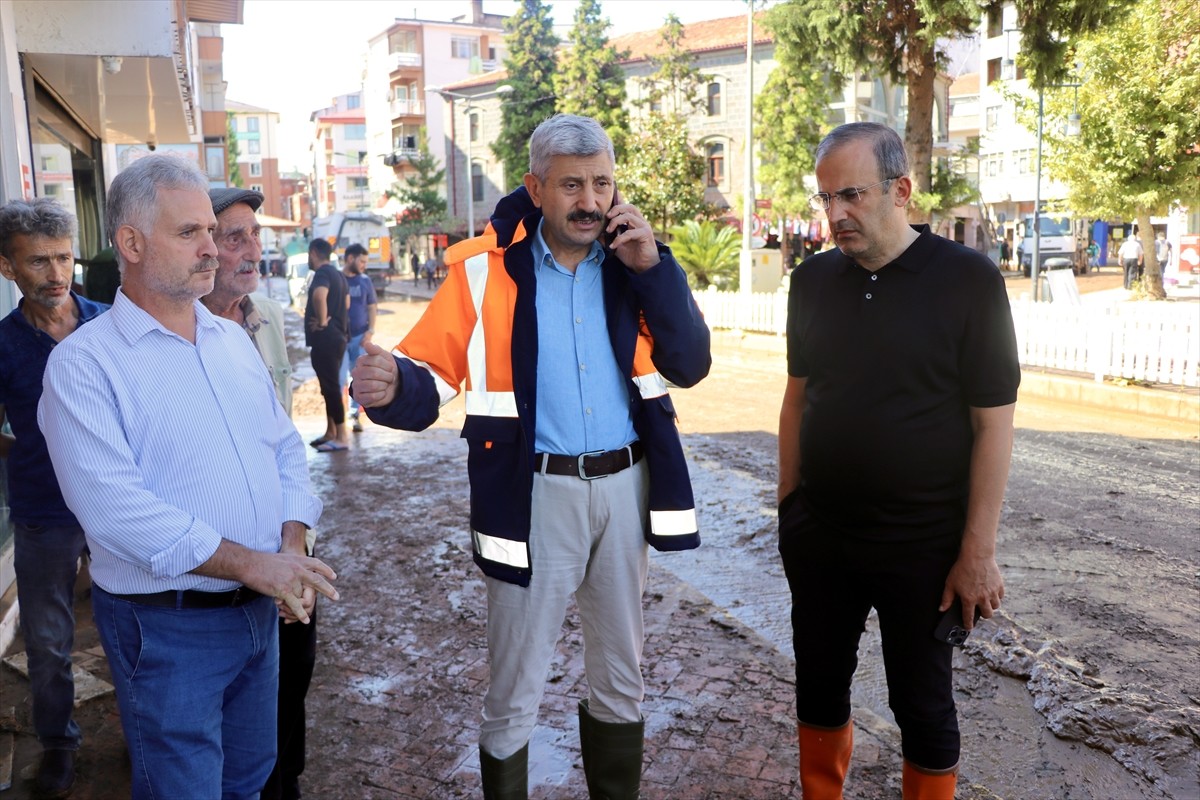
column 326, row 332
column 1093, row 254
column 1131, row 259
column 192, row 488
column 239, row 244
column 575, row 462
column 415, row 261
column 1162, row 252
column 895, row 436
column 37, row 255
column 360, row 318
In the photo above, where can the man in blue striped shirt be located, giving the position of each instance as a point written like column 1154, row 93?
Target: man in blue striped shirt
column 191, row 484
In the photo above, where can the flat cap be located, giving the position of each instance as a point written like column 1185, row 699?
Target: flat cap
column 224, row 198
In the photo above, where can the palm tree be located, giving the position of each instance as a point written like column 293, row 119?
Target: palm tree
column 708, row 252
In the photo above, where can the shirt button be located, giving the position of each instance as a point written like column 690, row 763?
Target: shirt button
column 868, row 295
column 874, row 277
column 578, row 320
column 587, row 411
column 582, row 367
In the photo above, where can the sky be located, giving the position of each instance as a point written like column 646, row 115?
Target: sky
column 294, row 56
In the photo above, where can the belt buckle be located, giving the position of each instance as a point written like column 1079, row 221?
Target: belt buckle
column 579, row 466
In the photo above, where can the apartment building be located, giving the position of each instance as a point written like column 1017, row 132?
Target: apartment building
column 413, row 55
column 256, row 132
column 339, row 151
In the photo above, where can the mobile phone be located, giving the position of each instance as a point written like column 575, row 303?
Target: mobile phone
column 617, row 231
column 950, row 628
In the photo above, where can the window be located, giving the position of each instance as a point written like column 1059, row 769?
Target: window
column 251, row 124
column 474, row 127
column 255, row 169
column 1026, row 162
column 992, row 118
column 404, row 41
column 256, row 187
column 355, row 131
column 715, row 154
column 358, row 182
column 995, row 22
column 253, row 147
column 214, row 162
column 214, row 96
column 714, row 99
column 476, row 183
column 993, row 70
column 353, row 101
column 464, row 47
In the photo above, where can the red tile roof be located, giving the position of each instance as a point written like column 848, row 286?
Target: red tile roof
column 967, row 83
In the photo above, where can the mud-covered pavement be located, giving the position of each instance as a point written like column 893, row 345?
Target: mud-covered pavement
column 1084, row 686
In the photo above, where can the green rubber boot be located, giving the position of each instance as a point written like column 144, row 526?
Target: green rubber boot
column 612, row 756
column 505, row 779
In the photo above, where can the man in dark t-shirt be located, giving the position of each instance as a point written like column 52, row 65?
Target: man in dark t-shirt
column 895, row 436
column 326, row 331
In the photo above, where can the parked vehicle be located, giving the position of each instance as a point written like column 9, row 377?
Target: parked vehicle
column 360, row 227
column 1062, row 237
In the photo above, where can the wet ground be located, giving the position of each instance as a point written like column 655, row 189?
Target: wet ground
column 1085, row 685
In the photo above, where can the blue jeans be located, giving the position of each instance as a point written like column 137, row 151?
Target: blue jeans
column 46, row 560
column 197, row 690
column 354, row 349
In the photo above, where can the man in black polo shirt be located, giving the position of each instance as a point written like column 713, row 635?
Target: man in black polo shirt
column 895, row 436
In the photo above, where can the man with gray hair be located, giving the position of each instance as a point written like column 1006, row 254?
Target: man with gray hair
column 192, row 488
column 565, row 320
column 37, row 255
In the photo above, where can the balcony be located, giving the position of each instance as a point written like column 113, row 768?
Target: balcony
column 407, row 108
column 399, row 157
column 403, row 60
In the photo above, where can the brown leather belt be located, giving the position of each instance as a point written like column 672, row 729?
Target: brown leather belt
column 192, row 598
column 589, row 466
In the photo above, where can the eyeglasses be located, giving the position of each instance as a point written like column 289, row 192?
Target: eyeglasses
column 849, row 197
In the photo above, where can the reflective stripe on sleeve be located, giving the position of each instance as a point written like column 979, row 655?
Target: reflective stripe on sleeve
column 673, row 523
column 650, row 385
column 502, row 551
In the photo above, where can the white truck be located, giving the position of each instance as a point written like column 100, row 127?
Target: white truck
column 360, row 227
column 1062, row 237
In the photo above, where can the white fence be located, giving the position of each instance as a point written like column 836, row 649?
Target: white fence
column 1155, row 342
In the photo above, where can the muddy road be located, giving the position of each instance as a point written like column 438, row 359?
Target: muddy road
column 1084, row 686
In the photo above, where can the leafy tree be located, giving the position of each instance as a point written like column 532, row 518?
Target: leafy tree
column 661, row 174
column 425, row 207
column 899, row 39
column 531, row 64
column 590, row 80
column 708, row 253
column 674, row 86
column 1137, row 154
column 231, row 151
column 790, row 117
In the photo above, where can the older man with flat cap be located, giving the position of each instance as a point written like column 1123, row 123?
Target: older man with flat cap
column 239, row 251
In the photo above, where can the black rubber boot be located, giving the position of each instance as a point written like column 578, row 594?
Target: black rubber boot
column 505, row 779
column 612, row 756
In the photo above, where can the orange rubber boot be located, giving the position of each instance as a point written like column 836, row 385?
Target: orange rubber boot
column 824, row 759
column 920, row 784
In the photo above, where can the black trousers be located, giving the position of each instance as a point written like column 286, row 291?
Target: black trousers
column 297, row 657
column 328, row 347
column 835, row 583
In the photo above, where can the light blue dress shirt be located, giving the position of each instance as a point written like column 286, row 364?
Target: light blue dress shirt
column 582, row 398
column 163, row 447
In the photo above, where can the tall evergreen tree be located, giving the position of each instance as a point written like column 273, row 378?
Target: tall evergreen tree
column 231, row 151
column 661, row 174
column 590, row 80
column 530, row 64
column 420, row 193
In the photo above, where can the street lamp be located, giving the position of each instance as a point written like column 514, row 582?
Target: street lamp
column 451, row 97
column 1009, row 72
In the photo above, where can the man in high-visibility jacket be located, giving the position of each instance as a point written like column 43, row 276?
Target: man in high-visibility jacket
column 565, row 347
